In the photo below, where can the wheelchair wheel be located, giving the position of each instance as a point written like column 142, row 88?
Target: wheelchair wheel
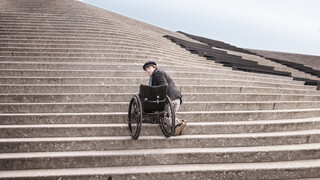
column 135, row 117
column 167, row 122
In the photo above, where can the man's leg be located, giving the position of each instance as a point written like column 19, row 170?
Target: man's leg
column 181, row 125
column 176, row 104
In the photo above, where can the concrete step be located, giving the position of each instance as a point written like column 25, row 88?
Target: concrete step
column 134, row 66
column 146, row 157
column 125, row 97
column 106, row 66
column 7, row 41
column 141, row 59
column 107, row 44
column 107, row 29
column 5, row 51
column 90, row 35
column 12, row 22
column 243, row 89
column 70, row 42
column 115, row 60
column 250, row 171
column 104, row 80
column 96, row 143
column 76, row 40
column 196, row 73
column 72, row 28
column 20, row 17
column 194, row 128
column 108, row 49
column 79, row 59
column 81, row 36
column 78, row 28
column 77, row 107
column 27, row 17
column 216, row 73
column 87, row 55
column 128, row 88
column 72, row 35
column 121, row 117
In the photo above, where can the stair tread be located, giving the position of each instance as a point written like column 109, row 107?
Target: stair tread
column 256, row 122
column 288, row 165
column 184, row 137
column 186, row 112
column 189, row 102
column 137, row 85
column 294, row 147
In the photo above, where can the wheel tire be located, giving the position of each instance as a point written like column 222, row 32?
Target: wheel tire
column 167, row 122
column 135, row 117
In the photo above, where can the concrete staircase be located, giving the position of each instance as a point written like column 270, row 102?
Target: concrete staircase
column 68, row 71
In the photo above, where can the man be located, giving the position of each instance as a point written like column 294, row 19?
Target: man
column 160, row 77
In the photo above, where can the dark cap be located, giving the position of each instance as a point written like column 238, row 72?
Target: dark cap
column 149, row 63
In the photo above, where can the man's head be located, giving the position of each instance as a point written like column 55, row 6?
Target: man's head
column 149, row 67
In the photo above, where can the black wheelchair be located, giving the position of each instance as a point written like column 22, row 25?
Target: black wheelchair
column 151, row 105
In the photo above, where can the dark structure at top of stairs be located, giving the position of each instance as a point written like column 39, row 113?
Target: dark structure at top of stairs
column 238, row 63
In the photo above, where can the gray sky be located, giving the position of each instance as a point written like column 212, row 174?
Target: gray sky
column 277, row 25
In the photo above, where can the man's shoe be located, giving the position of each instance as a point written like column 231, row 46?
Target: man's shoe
column 181, row 125
column 183, row 128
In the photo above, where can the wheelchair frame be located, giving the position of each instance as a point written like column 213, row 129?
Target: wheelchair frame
column 164, row 113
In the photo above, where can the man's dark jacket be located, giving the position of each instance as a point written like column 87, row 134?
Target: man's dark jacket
column 160, row 77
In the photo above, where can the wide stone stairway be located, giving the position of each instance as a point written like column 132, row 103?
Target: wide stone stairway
column 68, row 71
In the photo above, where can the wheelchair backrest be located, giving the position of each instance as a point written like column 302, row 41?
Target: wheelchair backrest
column 153, row 97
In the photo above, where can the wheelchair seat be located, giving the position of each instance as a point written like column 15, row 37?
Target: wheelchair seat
column 153, row 98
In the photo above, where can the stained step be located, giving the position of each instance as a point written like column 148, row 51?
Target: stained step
column 76, row 107
column 125, row 97
column 121, row 117
column 96, row 143
column 148, row 157
column 250, row 171
column 194, row 128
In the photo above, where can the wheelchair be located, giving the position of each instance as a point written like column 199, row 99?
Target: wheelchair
column 151, row 105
